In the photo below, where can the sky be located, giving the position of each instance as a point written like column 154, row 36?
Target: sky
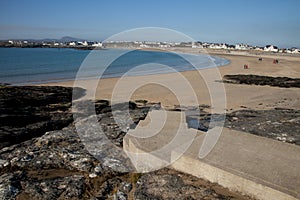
column 255, row 22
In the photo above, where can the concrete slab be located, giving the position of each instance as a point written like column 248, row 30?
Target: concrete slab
column 259, row 167
column 271, row 166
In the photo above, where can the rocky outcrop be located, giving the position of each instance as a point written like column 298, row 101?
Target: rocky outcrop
column 169, row 184
column 285, row 82
column 30, row 111
column 279, row 123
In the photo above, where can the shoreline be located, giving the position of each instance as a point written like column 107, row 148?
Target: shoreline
column 216, row 60
column 249, row 96
column 210, row 52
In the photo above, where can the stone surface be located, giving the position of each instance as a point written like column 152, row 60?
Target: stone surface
column 30, row 111
column 262, row 80
column 169, row 184
column 279, row 124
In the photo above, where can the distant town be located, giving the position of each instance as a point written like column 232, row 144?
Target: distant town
column 68, row 42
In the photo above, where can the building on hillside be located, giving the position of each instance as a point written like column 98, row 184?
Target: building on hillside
column 242, row 47
column 295, row 50
column 218, row 46
column 271, row 48
column 258, row 48
column 72, row 43
column 97, row 44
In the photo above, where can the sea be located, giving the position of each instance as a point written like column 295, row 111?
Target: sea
column 22, row 66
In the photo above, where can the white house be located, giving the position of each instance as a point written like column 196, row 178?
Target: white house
column 292, row 50
column 194, row 46
column 259, row 48
column 218, row 46
column 164, row 45
column 271, row 48
column 295, row 50
column 242, row 47
column 144, row 46
column 205, row 45
column 97, row 44
column 72, row 43
column 82, row 43
column 85, row 43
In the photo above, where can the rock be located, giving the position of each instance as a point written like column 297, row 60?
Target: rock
column 27, row 158
column 126, row 187
column 68, row 187
column 115, row 164
column 36, row 110
column 98, row 169
column 3, row 163
column 235, row 118
column 279, row 124
column 262, row 80
column 121, row 196
column 276, row 123
column 92, row 175
column 108, row 188
column 82, row 164
column 168, row 184
column 9, row 185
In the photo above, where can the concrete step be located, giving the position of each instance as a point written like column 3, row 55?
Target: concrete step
column 256, row 166
column 259, row 167
column 162, row 132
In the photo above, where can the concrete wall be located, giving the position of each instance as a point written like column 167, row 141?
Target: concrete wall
column 228, row 180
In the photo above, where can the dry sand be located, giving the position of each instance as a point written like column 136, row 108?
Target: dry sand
column 237, row 96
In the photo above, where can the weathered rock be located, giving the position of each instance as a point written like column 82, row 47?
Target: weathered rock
column 168, row 184
column 120, row 195
column 275, row 124
column 285, row 82
column 109, row 188
column 67, row 187
column 30, row 111
column 126, row 187
column 9, row 186
column 279, row 124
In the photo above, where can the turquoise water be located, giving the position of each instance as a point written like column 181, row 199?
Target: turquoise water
column 41, row 65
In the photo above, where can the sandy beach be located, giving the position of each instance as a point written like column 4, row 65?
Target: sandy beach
column 237, row 96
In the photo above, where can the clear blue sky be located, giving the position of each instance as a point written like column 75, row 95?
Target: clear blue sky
column 257, row 22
